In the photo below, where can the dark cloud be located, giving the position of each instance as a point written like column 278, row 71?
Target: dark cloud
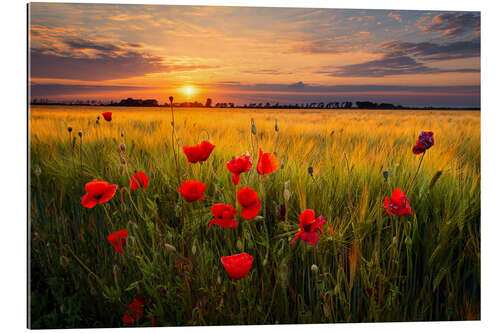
column 100, row 67
column 301, row 87
column 394, row 63
column 434, row 51
column 109, row 61
column 454, row 24
column 83, row 44
column 47, row 90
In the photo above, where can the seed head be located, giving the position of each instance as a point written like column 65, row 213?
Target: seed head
column 254, row 128
column 314, row 268
column 169, row 247
column 98, row 117
column 80, row 134
column 386, row 174
column 122, row 147
column 70, row 129
column 276, row 128
column 310, row 170
column 171, row 99
column 38, row 171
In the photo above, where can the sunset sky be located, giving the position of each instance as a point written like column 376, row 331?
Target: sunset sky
column 253, row 55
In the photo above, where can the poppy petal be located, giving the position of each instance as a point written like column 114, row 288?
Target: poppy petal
column 238, row 265
column 89, row 201
column 110, row 193
column 224, row 223
column 386, row 205
column 250, row 212
column 96, row 187
column 307, row 217
column 236, row 178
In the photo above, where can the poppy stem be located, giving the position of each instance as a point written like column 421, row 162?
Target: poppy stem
column 174, row 142
column 81, row 163
column 418, row 169
column 98, row 279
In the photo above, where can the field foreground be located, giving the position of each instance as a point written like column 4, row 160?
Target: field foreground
column 367, row 265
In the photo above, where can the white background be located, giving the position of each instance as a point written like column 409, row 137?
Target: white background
column 13, row 164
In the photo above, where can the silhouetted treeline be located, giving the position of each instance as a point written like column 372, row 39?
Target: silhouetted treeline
column 209, row 104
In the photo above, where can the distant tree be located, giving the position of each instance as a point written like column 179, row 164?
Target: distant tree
column 208, row 103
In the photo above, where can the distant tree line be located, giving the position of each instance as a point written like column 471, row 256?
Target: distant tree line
column 209, row 103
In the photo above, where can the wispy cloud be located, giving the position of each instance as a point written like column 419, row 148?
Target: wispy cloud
column 453, row 24
column 395, row 16
column 48, row 90
column 435, row 51
column 395, row 63
column 301, row 87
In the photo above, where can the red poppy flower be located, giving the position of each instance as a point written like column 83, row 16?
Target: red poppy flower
column 238, row 265
column 98, row 191
column 224, row 216
column 309, row 224
column 249, row 201
column 136, row 310
column 107, row 115
column 398, row 204
column 138, row 180
column 424, row 142
column 198, row 153
column 118, row 240
column 238, row 165
column 268, row 163
column 192, row 190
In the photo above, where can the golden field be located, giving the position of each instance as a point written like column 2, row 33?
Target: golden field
column 371, row 267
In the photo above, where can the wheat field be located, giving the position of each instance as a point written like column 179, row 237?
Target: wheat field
column 366, row 267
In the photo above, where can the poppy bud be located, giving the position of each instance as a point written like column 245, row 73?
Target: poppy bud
column 171, row 99
column 98, row 117
column 239, row 245
column 193, row 250
column 63, row 261
column 314, row 268
column 169, row 247
column 386, row 174
column 120, row 170
column 310, row 170
column 122, row 160
column 70, row 129
column 276, row 128
column 121, row 134
column 259, row 218
column 122, row 147
column 80, row 134
column 38, row 171
column 332, row 133
column 97, row 122
column 254, row 128
column 282, row 212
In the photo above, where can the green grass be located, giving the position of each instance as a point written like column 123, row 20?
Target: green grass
column 371, row 267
